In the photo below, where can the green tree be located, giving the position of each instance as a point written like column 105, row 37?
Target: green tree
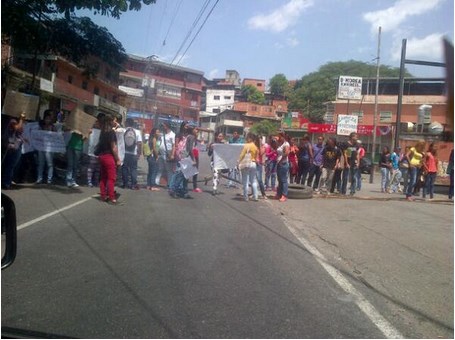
column 265, row 128
column 315, row 89
column 253, row 95
column 279, row 85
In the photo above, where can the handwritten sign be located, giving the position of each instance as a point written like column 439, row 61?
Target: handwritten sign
column 120, row 143
column 48, row 141
column 347, row 124
column 79, row 121
column 93, row 140
column 18, row 102
column 350, row 88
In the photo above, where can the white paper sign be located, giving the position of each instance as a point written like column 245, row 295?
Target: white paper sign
column 347, row 124
column 27, row 134
column 93, row 140
column 225, row 156
column 120, row 143
column 49, row 141
column 187, row 167
column 350, row 88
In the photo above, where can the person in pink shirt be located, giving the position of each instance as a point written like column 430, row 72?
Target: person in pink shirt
column 271, row 163
column 431, row 168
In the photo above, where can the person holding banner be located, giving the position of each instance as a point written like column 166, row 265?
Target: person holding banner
column 107, row 152
column 46, row 157
column 12, row 142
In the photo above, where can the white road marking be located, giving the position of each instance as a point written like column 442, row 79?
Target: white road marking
column 43, row 217
column 365, row 306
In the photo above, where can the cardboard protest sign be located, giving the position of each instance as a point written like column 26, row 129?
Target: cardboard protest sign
column 120, row 143
column 18, row 102
column 48, row 141
column 347, row 124
column 80, row 122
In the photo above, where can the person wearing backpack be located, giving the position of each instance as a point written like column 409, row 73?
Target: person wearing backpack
column 133, row 150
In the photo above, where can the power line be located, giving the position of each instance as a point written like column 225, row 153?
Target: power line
column 171, row 24
column 200, row 28
column 193, row 26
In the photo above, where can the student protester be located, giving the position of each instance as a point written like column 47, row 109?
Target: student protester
column 305, row 159
column 12, row 141
column 416, row 159
column 260, row 165
column 384, row 165
column 404, row 167
column 166, row 159
column 431, row 168
column 73, row 157
column 247, row 165
column 395, row 173
column 271, row 164
column 351, row 157
column 339, row 170
column 450, row 173
column 196, row 158
column 151, row 151
column 316, row 167
column 107, row 152
column 133, row 151
column 331, row 156
column 93, row 168
column 46, row 157
column 361, row 151
column 293, row 161
column 282, row 167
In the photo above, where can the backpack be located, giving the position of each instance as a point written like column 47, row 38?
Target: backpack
column 130, row 139
column 180, row 150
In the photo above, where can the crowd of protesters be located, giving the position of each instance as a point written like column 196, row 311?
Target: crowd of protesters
column 265, row 164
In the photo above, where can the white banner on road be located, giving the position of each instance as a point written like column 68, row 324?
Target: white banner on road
column 347, row 124
column 49, row 141
column 225, row 156
column 187, row 167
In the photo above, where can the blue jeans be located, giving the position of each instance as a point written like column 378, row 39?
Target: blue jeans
column 9, row 164
column 353, row 179
column 429, row 185
column 152, row 171
column 249, row 175
column 179, row 184
column 45, row 157
column 164, row 167
column 412, row 177
column 344, row 180
column 358, row 176
column 73, row 157
column 259, row 171
column 315, row 170
column 404, row 176
column 129, row 168
column 270, row 173
column 385, row 177
column 282, row 174
column 304, row 170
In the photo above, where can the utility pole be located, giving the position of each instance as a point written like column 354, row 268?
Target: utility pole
column 373, row 151
column 400, row 92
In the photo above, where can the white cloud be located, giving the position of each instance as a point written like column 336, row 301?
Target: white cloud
column 391, row 18
column 278, row 45
column 293, row 41
column 429, row 48
column 213, row 73
column 281, row 18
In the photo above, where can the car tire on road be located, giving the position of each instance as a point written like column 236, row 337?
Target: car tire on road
column 297, row 191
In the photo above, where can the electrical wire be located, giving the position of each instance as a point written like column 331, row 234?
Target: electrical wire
column 171, row 24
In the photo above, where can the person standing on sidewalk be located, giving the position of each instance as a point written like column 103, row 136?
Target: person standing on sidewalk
column 330, row 162
column 351, row 155
column 282, row 167
column 361, row 151
column 431, row 168
column 395, row 173
column 416, row 158
column 73, row 156
column 107, row 152
column 46, row 157
column 404, row 167
column 247, row 165
column 384, row 164
column 133, row 151
column 316, row 167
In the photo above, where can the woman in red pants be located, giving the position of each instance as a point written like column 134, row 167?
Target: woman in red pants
column 108, row 155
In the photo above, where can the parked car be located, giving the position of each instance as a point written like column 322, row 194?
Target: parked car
column 365, row 165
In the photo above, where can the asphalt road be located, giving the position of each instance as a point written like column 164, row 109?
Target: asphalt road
column 208, row 267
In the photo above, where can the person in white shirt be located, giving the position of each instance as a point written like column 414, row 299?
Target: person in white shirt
column 133, row 151
column 166, row 156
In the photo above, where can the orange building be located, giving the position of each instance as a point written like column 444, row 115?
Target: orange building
column 257, row 83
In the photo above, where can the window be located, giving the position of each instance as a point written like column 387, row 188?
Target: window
column 168, row 91
column 254, row 108
column 84, row 84
column 259, row 84
column 216, row 110
column 227, row 97
column 216, row 97
column 70, row 79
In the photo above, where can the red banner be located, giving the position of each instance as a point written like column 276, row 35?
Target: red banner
column 322, row 128
column 365, row 130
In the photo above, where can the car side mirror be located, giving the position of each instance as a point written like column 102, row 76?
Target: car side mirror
column 9, row 231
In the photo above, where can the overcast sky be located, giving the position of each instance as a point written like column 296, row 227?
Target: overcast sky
column 260, row 38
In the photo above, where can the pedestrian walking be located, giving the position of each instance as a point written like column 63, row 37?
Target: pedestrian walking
column 416, row 158
column 430, row 167
column 133, row 150
column 282, row 167
column 107, row 152
column 384, row 165
column 247, row 165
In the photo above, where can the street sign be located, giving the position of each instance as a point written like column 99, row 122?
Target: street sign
column 385, row 117
column 350, row 88
column 424, row 115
